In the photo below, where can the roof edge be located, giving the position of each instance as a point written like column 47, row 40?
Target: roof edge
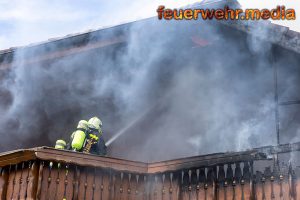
column 70, row 157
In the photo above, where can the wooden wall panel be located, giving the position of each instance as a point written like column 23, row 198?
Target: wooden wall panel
column 297, row 182
column 61, row 181
column 166, row 185
column 32, row 181
column 268, row 191
column 98, row 185
column 90, row 185
column 246, row 188
column 221, row 193
column 285, row 189
column 106, row 185
column 61, row 186
column 17, row 184
column 82, row 184
column 118, row 187
column 69, row 182
column 11, row 182
column 52, row 188
column 24, row 178
column 45, row 182
column 3, row 183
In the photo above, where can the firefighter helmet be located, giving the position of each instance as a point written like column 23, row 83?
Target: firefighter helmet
column 82, row 124
column 60, row 144
column 95, row 123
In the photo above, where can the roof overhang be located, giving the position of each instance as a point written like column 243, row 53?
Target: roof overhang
column 82, row 159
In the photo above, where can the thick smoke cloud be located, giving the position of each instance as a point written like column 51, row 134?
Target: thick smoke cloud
column 187, row 98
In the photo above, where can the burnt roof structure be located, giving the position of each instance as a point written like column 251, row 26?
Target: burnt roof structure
column 280, row 35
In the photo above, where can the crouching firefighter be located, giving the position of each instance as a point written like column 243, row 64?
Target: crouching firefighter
column 87, row 138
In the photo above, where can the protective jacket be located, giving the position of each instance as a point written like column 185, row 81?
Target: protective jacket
column 99, row 148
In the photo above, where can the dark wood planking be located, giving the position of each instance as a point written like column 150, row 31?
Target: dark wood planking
column 134, row 187
column 297, row 188
column 82, row 184
column 203, row 192
column 247, row 191
column 281, row 188
column 210, row 192
column 15, row 157
column 76, row 183
column 138, row 186
column 238, row 191
column 119, row 185
column 268, row 189
column 277, row 188
column 91, row 160
column 286, row 188
column 62, row 173
column 45, row 153
column 167, row 186
column 17, row 184
column 40, row 181
column 145, row 187
column 113, row 186
column 98, row 183
column 113, row 181
column 184, row 194
column 32, row 181
column 90, row 176
column 229, row 192
column 52, row 189
column 200, row 161
column 175, row 186
column 130, row 190
column 106, row 185
column 3, row 182
column 221, row 193
column 160, row 183
column 11, row 179
column 69, row 183
column 45, row 182
column 259, row 190
column 24, row 182
column 154, row 192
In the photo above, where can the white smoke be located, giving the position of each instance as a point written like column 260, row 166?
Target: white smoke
column 205, row 99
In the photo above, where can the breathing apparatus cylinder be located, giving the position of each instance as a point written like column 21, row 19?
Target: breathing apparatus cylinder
column 79, row 136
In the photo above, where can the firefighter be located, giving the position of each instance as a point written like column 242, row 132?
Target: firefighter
column 95, row 131
column 87, row 138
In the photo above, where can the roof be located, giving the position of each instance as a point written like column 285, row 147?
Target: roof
column 82, row 159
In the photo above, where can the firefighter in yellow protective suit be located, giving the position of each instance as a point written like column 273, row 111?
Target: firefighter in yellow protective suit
column 87, row 138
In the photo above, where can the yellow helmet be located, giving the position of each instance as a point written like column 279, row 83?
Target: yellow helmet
column 60, row 144
column 82, row 124
column 95, row 123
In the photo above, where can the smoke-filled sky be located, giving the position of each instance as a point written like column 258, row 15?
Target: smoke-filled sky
column 23, row 22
